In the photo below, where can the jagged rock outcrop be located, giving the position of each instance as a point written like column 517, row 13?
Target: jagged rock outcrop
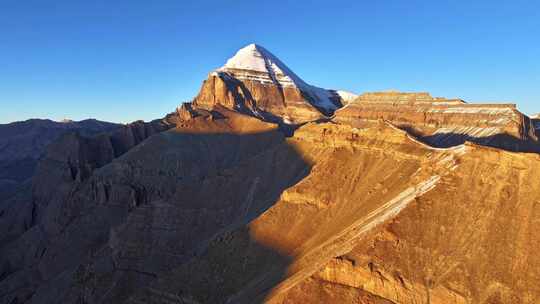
column 30, row 225
column 23, row 143
column 73, row 158
column 445, row 122
column 256, row 82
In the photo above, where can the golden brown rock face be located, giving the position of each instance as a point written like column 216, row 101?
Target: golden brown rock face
column 472, row 245
column 380, row 218
column 444, row 122
column 267, row 101
column 257, row 83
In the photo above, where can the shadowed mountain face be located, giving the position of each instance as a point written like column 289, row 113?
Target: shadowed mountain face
column 69, row 160
column 152, row 209
column 536, row 122
column 23, row 143
column 387, row 201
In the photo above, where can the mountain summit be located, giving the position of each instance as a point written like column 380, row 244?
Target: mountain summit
column 256, row 82
column 255, row 58
column 255, row 63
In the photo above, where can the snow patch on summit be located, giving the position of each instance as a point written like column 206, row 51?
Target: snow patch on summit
column 258, row 59
column 255, row 63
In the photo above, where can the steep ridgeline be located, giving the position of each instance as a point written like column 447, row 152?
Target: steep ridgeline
column 256, row 82
column 445, row 122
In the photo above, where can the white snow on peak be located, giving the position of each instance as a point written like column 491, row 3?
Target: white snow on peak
column 255, row 63
column 255, row 58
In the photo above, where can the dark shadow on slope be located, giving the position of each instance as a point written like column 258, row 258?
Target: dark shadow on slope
column 169, row 219
column 23, row 144
column 231, row 262
column 68, row 162
column 500, row 141
column 273, row 76
column 245, row 102
column 536, row 125
column 69, row 153
column 314, row 102
column 215, row 255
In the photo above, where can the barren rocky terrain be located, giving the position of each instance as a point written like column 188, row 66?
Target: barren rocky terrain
column 265, row 189
column 23, row 144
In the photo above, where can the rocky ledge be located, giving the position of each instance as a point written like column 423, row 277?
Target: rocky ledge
column 444, row 122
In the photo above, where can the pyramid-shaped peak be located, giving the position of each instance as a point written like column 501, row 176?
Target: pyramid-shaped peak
column 255, row 58
column 255, row 65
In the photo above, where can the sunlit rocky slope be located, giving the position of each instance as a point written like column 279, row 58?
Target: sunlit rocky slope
column 265, row 189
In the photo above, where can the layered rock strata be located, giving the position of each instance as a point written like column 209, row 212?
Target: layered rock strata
column 444, row 122
column 254, row 81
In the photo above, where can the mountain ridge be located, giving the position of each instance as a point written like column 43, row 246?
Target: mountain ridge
column 23, row 143
column 219, row 203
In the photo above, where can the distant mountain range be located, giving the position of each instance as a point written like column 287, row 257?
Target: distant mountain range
column 23, row 143
column 266, row 189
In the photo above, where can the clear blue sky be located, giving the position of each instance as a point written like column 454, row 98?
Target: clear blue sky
column 127, row 60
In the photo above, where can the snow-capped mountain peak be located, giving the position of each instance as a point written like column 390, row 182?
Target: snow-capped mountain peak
column 255, row 63
column 255, row 58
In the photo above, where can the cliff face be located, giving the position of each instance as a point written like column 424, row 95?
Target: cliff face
column 74, row 157
column 35, row 217
column 444, row 122
column 267, row 101
column 255, row 82
column 28, row 139
column 23, row 143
